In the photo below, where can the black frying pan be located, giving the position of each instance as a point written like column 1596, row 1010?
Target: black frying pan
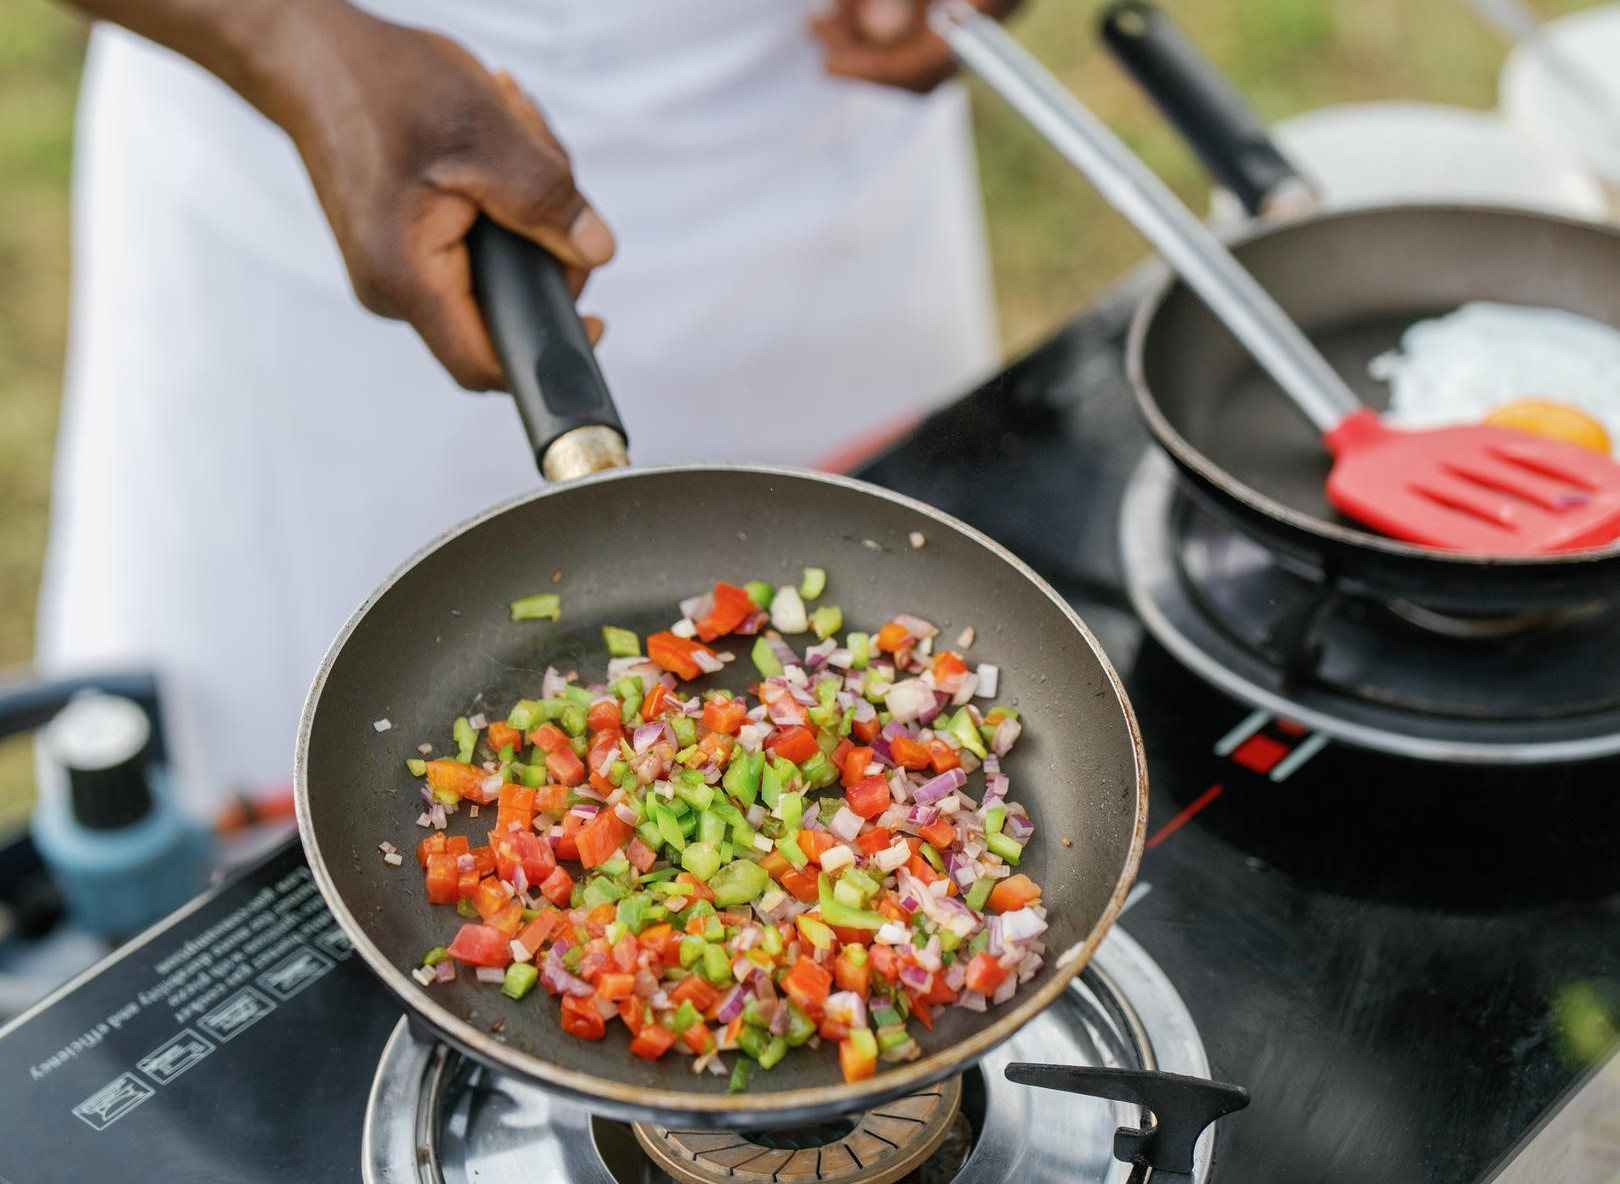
column 1354, row 280
column 435, row 641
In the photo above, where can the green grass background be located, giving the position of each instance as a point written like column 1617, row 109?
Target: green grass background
column 1055, row 245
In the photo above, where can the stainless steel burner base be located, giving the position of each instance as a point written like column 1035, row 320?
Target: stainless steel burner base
column 1156, row 581
column 434, row 1118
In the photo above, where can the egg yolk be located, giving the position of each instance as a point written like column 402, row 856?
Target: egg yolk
column 1556, row 421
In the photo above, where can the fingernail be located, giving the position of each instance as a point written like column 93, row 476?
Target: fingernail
column 591, row 237
column 885, row 21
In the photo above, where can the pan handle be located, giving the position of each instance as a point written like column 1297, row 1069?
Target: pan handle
column 550, row 367
column 1211, row 116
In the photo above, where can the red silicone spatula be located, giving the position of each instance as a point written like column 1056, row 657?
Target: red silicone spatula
column 1475, row 488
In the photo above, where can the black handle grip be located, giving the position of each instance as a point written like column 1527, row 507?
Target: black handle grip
column 1210, row 115
column 541, row 342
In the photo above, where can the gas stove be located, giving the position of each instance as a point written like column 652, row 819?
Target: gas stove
column 1413, row 966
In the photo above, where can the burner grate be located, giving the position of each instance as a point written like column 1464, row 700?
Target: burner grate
column 878, row 1147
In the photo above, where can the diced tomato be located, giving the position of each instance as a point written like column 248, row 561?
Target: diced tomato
column 922, row 869
column 694, row 888
column 802, row 884
column 814, row 842
column 525, row 849
column 640, row 855
column 939, row 832
column 870, row 842
column 984, row 974
column 714, row 748
column 633, row 1012
column 1014, row 893
column 865, row 730
column 869, row 797
column 840, row 752
column 468, row 882
column 776, row 865
column 950, row 671
column 732, row 606
column 702, row 995
column 549, row 738
column 921, row 1010
column 581, row 1018
column 854, row 766
column 455, row 777
column 661, row 939
column 795, row 743
column 884, row 962
column 724, row 715
column 784, row 708
column 615, row 984
column 907, row 753
column 534, row 934
column 442, row 878
column 851, row 937
column 605, row 715
column 517, row 805
column 698, row 1038
column 939, row 991
column 808, row 985
column 551, row 799
column 565, row 768
column 508, row 919
column 432, row 845
column 602, row 836
column 850, row 977
column 566, row 845
column 558, row 887
column 831, row 1030
column 483, row 862
column 502, row 735
column 658, row 700
column 855, row 1064
column 479, row 945
column 652, row 1042
column 491, row 896
column 942, row 756
column 891, row 638
column 675, row 654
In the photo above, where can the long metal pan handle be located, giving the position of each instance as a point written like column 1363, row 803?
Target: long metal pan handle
column 550, row 367
column 1131, row 188
column 1211, row 116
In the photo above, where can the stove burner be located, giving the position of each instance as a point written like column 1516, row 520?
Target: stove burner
column 436, row 1118
column 879, row 1147
column 1391, row 677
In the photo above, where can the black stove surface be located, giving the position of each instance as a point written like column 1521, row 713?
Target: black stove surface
column 1407, row 965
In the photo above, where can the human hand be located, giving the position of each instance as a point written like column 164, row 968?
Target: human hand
column 408, row 139
column 889, row 41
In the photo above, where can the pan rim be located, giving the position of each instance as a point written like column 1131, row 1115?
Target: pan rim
column 1190, row 457
column 607, row 1094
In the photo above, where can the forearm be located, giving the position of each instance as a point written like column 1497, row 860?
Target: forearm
column 259, row 48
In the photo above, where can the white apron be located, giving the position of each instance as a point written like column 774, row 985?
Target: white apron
column 245, row 452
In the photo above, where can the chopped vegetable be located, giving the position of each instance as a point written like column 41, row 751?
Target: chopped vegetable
column 797, row 859
column 543, row 606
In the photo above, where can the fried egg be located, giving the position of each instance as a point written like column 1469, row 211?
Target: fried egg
column 1462, row 367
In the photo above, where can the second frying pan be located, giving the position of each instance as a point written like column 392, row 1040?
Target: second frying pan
column 435, row 641
column 1354, row 280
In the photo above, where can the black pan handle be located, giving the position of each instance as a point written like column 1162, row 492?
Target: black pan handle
column 550, row 367
column 1210, row 115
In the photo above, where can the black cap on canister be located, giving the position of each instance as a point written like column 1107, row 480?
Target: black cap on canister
column 102, row 741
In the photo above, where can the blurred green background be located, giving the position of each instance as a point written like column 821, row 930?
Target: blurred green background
column 1055, row 245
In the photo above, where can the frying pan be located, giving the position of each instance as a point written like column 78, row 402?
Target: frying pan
column 435, row 641
column 1354, row 280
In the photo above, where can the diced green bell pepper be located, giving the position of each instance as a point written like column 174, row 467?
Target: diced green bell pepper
column 716, row 964
column 962, row 727
column 838, row 914
column 685, row 728
column 520, row 979
column 466, row 738
column 739, row 1076
column 789, row 848
column 1004, row 846
column 741, row 780
column 701, row 859
column 978, row 894
column 860, row 650
column 791, row 810
column 621, row 643
column 542, row 606
column 813, row 583
column 418, row 768
column 994, row 819
column 827, row 620
column 434, row 956
column 739, row 882
column 760, row 593
column 765, row 659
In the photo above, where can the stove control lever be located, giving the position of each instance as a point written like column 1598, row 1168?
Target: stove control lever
column 1180, row 1107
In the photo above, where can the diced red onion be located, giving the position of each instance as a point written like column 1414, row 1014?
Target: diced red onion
column 816, row 656
column 961, row 870
column 731, row 1006
column 1021, row 925
column 490, row 974
column 751, row 737
column 437, row 816
column 972, row 1001
column 989, row 680
column 698, row 607
column 954, row 974
column 781, row 649
column 993, row 943
column 922, row 815
column 553, row 685
column 781, row 1021
column 929, row 714
column 478, row 721
column 928, row 957
column 1006, row 990
column 626, row 815
column 847, row 1008
column 685, row 627
column 947, row 782
column 915, row 626
column 892, row 933
column 1017, row 828
column 755, row 815
column 427, row 793
column 752, row 623
column 846, row 824
column 907, row 701
column 914, row 976
column 840, row 658
column 445, row 971
column 1006, row 735
column 707, row 662
column 584, row 809
column 638, row 666
column 555, row 978
column 964, row 692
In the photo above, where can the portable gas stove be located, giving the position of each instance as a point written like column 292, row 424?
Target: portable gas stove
column 1413, row 966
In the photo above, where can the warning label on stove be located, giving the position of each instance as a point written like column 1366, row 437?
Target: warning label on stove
column 114, row 1100
column 205, row 984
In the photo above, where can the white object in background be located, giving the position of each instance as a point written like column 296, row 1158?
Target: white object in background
column 1542, row 104
column 1392, row 153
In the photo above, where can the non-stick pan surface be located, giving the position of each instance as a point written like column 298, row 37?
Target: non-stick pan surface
column 1355, row 280
column 437, row 642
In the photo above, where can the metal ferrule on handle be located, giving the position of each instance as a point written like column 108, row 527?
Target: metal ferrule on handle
column 1131, row 188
